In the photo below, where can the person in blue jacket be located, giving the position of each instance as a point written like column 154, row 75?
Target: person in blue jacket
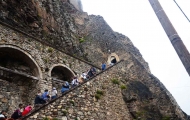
column 103, row 66
column 65, row 87
column 45, row 95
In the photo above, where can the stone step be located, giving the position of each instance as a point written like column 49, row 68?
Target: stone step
column 59, row 97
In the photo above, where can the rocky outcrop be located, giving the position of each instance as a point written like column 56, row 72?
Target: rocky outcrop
column 49, row 20
column 128, row 91
column 100, row 40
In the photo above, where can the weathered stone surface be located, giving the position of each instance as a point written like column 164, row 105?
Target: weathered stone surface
column 58, row 23
column 1, row 96
column 23, row 90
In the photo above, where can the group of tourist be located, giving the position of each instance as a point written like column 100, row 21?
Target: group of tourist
column 17, row 114
column 42, row 98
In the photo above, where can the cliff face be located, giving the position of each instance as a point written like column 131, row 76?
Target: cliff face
column 65, row 26
column 49, row 20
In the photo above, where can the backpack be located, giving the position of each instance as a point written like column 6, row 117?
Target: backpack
column 17, row 114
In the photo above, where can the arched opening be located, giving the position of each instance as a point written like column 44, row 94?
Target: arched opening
column 112, row 59
column 19, row 75
column 59, row 74
column 16, row 59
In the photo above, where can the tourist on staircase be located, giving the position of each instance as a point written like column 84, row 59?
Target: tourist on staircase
column 75, row 82
column 53, row 93
column 27, row 109
column 65, row 87
column 39, row 100
column 91, row 72
column 46, row 96
column 103, row 66
column 3, row 114
column 84, row 76
column 18, row 113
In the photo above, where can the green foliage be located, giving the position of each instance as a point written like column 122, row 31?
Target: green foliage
column 140, row 113
column 97, row 96
column 50, row 50
column 64, row 61
column 123, row 87
column 45, row 118
column 55, row 119
column 39, row 17
column 45, row 60
column 103, row 86
column 115, row 81
column 64, row 112
column 166, row 118
column 81, row 40
column 72, row 102
column 99, row 92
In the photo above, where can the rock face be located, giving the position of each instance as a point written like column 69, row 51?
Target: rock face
column 48, row 20
column 35, row 39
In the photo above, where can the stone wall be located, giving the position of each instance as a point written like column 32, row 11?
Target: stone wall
column 44, row 56
column 16, row 92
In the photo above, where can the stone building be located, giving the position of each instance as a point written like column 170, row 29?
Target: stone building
column 43, row 43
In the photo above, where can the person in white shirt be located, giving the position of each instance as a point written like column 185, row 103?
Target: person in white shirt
column 53, row 93
column 3, row 114
column 75, row 82
column 84, row 75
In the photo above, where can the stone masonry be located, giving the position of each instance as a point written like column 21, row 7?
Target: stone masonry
column 42, row 40
column 46, row 57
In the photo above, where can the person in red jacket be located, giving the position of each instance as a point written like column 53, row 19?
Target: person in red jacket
column 27, row 109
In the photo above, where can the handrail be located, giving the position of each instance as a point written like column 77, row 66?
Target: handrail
column 38, row 109
column 58, row 80
column 18, row 73
column 48, row 44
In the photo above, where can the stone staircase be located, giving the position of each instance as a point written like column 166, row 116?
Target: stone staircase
column 69, row 91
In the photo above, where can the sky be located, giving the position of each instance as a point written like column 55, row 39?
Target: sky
column 137, row 20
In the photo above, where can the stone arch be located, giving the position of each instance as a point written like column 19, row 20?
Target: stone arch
column 17, row 76
column 60, row 73
column 63, row 69
column 113, row 57
column 18, row 53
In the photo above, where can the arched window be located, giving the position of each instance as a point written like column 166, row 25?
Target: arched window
column 59, row 74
